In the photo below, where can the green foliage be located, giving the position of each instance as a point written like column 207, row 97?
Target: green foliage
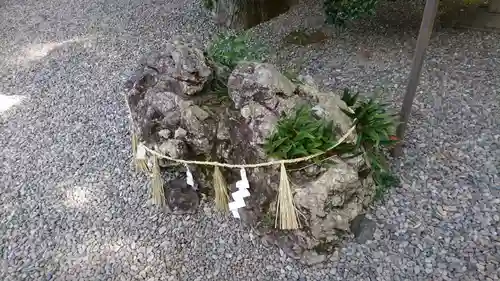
column 299, row 135
column 218, row 86
column 374, row 124
column 268, row 220
column 384, row 182
column 224, row 53
column 292, row 75
column 338, row 12
column 350, row 100
column 209, row 4
column 229, row 49
column 375, row 128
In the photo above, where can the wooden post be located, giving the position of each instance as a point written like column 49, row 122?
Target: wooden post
column 424, row 35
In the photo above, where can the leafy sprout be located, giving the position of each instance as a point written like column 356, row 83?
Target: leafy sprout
column 209, row 4
column 229, row 49
column 375, row 128
column 300, row 134
column 224, row 53
column 384, row 181
column 339, row 12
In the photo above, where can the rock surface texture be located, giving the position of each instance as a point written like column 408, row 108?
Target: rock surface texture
column 168, row 94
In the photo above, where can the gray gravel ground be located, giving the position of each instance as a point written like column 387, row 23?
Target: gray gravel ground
column 73, row 209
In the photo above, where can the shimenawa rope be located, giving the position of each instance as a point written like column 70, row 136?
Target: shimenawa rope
column 285, row 209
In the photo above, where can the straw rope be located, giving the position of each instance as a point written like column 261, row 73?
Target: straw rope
column 257, row 165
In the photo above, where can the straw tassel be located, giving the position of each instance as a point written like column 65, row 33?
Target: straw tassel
column 220, row 187
column 139, row 155
column 286, row 213
column 134, row 145
column 157, row 185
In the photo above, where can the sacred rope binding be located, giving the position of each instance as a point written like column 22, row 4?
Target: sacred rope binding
column 286, row 213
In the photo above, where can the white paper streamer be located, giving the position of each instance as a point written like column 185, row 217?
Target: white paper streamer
column 141, row 152
column 189, row 177
column 242, row 192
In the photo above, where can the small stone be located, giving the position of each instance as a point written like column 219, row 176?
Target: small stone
column 311, row 258
column 223, row 130
column 312, row 170
column 307, row 79
column 165, row 133
column 174, row 148
column 180, row 133
column 416, row 269
column 337, row 201
column 181, row 198
column 363, row 229
column 162, row 230
column 199, row 113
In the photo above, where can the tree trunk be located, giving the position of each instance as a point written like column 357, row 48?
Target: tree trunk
column 244, row 14
column 494, row 6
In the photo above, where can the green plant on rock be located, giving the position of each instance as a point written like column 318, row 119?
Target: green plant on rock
column 268, row 220
column 292, row 75
column 209, row 4
column 375, row 125
column 375, row 128
column 338, row 12
column 300, row 134
column 229, row 49
column 224, row 53
column 384, row 182
column 218, row 85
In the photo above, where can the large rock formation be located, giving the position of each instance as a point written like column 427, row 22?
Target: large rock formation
column 174, row 113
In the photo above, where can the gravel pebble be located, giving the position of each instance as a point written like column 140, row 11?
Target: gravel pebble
column 73, row 208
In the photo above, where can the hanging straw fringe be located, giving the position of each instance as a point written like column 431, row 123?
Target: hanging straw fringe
column 135, row 143
column 286, row 213
column 140, row 162
column 220, row 187
column 157, row 185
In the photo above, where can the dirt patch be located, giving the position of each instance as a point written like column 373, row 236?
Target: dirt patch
column 304, row 37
